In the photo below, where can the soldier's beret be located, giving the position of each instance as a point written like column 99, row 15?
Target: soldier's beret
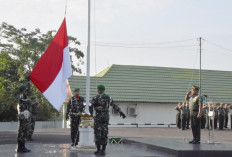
column 22, row 87
column 101, row 87
column 196, row 88
column 33, row 97
column 76, row 89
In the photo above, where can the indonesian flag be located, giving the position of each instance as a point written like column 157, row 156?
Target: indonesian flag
column 53, row 69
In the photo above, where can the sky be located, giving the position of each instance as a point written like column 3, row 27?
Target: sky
column 136, row 32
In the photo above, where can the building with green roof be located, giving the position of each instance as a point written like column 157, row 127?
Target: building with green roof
column 148, row 94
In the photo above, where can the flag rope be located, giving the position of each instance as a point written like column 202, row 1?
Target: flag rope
column 65, row 8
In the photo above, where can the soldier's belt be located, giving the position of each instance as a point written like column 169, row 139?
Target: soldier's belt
column 75, row 114
column 26, row 114
column 100, row 111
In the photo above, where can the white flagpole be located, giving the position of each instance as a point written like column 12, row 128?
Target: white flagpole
column 88, row 63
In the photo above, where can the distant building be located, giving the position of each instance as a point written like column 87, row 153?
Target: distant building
column 149, row 94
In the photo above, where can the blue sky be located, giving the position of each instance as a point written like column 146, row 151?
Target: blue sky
column 135, row 22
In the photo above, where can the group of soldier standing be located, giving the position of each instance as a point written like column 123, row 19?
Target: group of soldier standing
column 198, row 114
column 182, row 115
column 220, row 116
column 99, row 109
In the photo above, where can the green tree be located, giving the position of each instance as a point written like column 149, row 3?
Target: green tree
column 20, row 50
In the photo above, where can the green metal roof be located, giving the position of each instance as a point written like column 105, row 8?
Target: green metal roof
column 157, row 84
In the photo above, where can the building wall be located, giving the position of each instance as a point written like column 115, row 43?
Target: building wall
column 147, row 113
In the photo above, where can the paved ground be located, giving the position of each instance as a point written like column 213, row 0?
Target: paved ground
column 55, row 142
column 223, row 136
column 63, row 150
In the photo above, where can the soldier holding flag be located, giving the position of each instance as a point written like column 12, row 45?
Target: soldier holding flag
column 74, row 109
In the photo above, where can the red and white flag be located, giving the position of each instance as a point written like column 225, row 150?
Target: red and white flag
column 54, row 68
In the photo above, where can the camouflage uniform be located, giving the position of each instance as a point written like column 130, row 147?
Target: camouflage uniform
column 32, row 118
column 23, row 118
column 100, row 104
column 74, row 108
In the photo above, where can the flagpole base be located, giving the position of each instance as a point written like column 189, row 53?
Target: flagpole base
column 86, row 133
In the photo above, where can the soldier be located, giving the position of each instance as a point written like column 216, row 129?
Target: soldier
column 74, row 109
column 188, row 115
column 32, row 118
column 203, row 117
column 101, row 103
column 215, row 115
column 23, row 118
column 195, row 106
column 221, row 114
column 230, row 107
column 178, row 119
column 226, row 109
column 183, row 115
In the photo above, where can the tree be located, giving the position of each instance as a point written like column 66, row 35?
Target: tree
column 20, row 50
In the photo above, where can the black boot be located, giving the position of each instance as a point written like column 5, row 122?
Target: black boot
column 76, row 143
column 98, row 152
column 73, row 143
column 103, row 150
column 25, row 149
column 30, row 138
column 22, row 148
column 192, row 141
column 19, row 149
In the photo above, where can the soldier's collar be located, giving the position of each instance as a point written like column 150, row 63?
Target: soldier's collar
column 102, row 94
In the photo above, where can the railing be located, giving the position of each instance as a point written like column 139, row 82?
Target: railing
column 144, row 124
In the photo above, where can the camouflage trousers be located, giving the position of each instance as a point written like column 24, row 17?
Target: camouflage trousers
column 32, row 125
column 101, row 122
column 75, row 122
column 23, row 131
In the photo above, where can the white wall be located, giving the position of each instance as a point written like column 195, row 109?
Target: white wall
column 147, row 113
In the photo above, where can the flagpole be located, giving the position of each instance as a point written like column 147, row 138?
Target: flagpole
column 88, row 63
column 86, row 127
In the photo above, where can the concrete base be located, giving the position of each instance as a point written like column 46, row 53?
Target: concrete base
column 83, row 148
column 86, row 134
column 181, row 148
